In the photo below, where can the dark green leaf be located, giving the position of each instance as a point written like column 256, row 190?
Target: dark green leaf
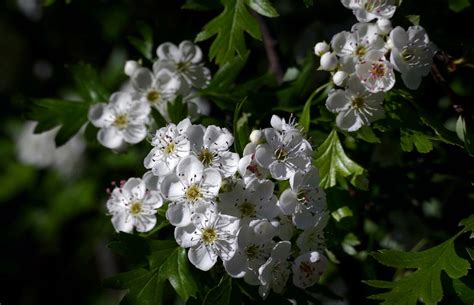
column 305, row 117
column 410, row 139
column 464, row 288
column 308, row 3
column 458, row 5
column 201, row 5
column 241, row 129
column 89, row 84
column 367, row 134
column 229, row 27
column 465, row 132
column 177, row 110
column 220, row 294
column 144, row 44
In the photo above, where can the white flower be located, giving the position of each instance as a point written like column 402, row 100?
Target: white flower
column 276, row 270
column 412, row 54
column 192, row 189
column 305, row 201
column 355, row 106
column 357, row 44
column 376, row 73
column 249, row 169
column 321, row 48
column 254, row 245
column 368, row 10
column 184, row 61
column 122, row 120
column 156, row 89
column 284, row 154
column 307, row 268
column 211, row 146
column 254, row 201
column 133, row 206
column 312, row 239
column 170, row 146
column 209, row 236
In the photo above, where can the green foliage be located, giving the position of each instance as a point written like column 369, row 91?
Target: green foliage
column 89, row 84
column 413, row 138
column 334, row 164
column 241, row 128
column 308, row 3
column 177, row 110
column 459, row 5
column 425, row 281
column 229, row 27
column 465, row 133
column 144, row 44
column 263, row 7
column 220, row 294
column 201, row 5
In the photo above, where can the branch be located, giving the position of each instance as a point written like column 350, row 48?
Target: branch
column 269, row 44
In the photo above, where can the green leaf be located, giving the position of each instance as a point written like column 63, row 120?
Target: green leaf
column 410, row 139
column 241, row 128
column 341, row 213
column 144, row 43
column 89, row 84
column 301, row 86
column 263, row 7
column 176, row 270
column 219, row 295
column 458, row 5
column 464, row 288
column 177, row 110
column 414, row 19
column 227, row 73
column 425, row 281
column 50, row 113
column 229, row 27
column 305, row 117
column 308, row 3
column 465, row 133
column 367, row 134
column 334, row 164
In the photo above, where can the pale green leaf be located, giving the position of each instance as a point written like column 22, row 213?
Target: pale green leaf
column 333, row 163
column 263, row 7
column 230, row 27
column 410, row 139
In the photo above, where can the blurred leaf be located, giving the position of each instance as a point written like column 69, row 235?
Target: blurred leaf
column 465, row 133
column 305, row 118
column 241, row 129
column 227, row 73
column 410, row 139
column 144, row 44
column 220, row 294
column 349, row 242
column 263, row 7
column 89, row 84
column 301, row 85
column 176, row 270
column 458, row 5
column 425, row 282
column 333, row 163
column 14, row 179
column 367, row 134
column 229, row 27
column 134, row 248
column 201, row 5
column 308, row 3
column 341, row 213
column 414, row 19
column 177, row 110
column 49, row 113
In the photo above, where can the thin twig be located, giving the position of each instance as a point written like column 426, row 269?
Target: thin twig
column 269, row 44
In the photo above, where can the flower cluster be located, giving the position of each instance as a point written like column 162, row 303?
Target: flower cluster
column 363, row 61
column 176, row 72
column 262, row 214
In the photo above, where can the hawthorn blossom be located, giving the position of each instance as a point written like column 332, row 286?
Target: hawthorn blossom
column 249, row 169
column 368, row 10
column 132, row 206
column 304, row 200
column 184, row 61
column 376, row 73
column 355, row 105
column 307, row 269
column 192, row 189
column 254, row 245
column 274, row 273
column 123, row 120
column 412, row 54
column 312, row 239
column 253, row 201
column 211, row 146
column 170, row 146
column 209, row 236
column 156, row 89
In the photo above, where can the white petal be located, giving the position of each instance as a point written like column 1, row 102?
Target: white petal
column 136, row 187
column 145, row 223
column 288, row 202
column 169, row 51
column 211, row 182
column 348, row 120
column 186, row 236
column 399, row 37
column 110, row 137
column 338, row 101
column 122, row 222
column 172, row 187
column 264, row 155
column 99, row 115
column 236, row 266
column 280, row 170
column 190, row 52
column 134, row 134
column 190, row 170
column 201, row 258
column 178, row 214
column 142, row 79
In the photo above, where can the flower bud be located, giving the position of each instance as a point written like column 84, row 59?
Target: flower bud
column 384, row 25
column 339, row 77
column 328, row 62
column 130, row 67
column 320, row 48
column 257, row 137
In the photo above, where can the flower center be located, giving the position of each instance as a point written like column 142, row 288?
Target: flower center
column 371, row 5
column 302, row 196
column 136, row 208
column 153, row 96
column 121, row 121
column 251, row 251
column 209, row 236
column 281, row 154
column 377, row 70
column 247, row 209
column 183, row 66
column 306, row 269
column 193, row 193
column 408, row 54
column 360, row 51
column 169, row 149
column 206, row 157
column 358, row 102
